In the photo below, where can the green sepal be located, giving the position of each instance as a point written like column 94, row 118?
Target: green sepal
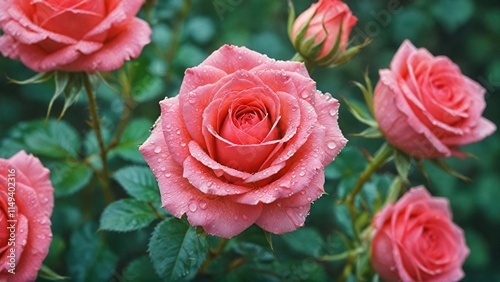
column 37, row 78
column 444, row 166
column 360, row 114
column 291, row 17
column 370, row 132
column 48, row 274
column 367, row 91
column 403, row 164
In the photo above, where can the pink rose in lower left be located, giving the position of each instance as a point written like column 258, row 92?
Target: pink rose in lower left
column 26, row 202
column 244, row 142
column 416, row 240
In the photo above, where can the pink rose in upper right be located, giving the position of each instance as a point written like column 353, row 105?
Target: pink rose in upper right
column 416, row 240
column 426, row 107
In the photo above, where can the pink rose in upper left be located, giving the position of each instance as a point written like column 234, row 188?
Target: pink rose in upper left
column 72, row 35
column 244, row 142
column 26, row 202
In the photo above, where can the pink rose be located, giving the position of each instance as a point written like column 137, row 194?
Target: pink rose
column 426, row 107
column 26, row 202
column 244, row 142
column 72, row 35
column 323, row 22
column 416, row 240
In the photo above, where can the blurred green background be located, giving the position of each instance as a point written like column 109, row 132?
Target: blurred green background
column 467, row 31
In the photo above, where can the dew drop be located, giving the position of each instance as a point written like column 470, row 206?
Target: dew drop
column 302, row 192
column 178, row 132
column 168, row 174
column 304, row 94
column 192, row 206
column 203, row 205
column 302, row 173
column 163, row 169
column 183, row 144
column 159, row 160
column 157, row 149
column 309, row 199
column 333, row 111
column 245, row 217
column 209, row 183
column 331, row 145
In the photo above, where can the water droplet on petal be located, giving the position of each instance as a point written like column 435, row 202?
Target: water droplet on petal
column 163, row 169
column 178, row 132
column 245, row 217
column 157, row 149
column 302, row 192
column 203, row 205
column 309, row 199
column 183, row 144
column 302, row 173
column 168, row 174
column 304, row 94
column 192, row 206
column 333, row 111
column 331, row 145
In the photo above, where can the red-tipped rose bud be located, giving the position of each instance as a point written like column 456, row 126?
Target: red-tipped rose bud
column 321, row 33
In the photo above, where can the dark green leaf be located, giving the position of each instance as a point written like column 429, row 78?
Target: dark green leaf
column 343, row 219
column 134, row 135
column 127, row 215
column 140, row 270
column 176, row 251
column 139, row 182
column 68, row 177
column 89, row 258
column 54, row 139
column 306, row 241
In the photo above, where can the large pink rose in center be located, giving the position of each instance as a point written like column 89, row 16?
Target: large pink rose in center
column 244, row 142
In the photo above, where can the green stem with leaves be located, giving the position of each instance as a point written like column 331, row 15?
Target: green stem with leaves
column 381, row 157
column 97, row 127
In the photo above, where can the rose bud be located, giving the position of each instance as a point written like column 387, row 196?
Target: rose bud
column 426, row 107
column 416, row 240
column 321, row 33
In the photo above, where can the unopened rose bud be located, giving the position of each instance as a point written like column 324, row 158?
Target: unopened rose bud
column 321, row 33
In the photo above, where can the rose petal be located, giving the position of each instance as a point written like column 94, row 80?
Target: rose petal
column 216, row 215
column 278, row 218
column 231, row 58
column 126, row 45
column 37, row 176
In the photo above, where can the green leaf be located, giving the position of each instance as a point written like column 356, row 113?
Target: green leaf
column 176, row 251
column 349, row 162
column 139, row 182
column 343, row 219
column 89, row 258
column 306, row 241
column 134, row 135
column 127, row 215
column 453, row 13
column 68, row 177
column 46, row 273
column 55, row 139
column 140, row 270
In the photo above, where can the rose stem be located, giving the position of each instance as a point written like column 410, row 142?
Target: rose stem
column 382, row 155
column 129, row 106
column 96, row 126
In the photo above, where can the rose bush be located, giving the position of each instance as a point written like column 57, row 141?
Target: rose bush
column 426, row 107
column 26, row 202
column 416, row 240
column 72, row 35
column 328, row 23
column 244, row 142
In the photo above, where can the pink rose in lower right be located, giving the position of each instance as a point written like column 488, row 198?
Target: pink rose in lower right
column 426, row 107
column 416, row 240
